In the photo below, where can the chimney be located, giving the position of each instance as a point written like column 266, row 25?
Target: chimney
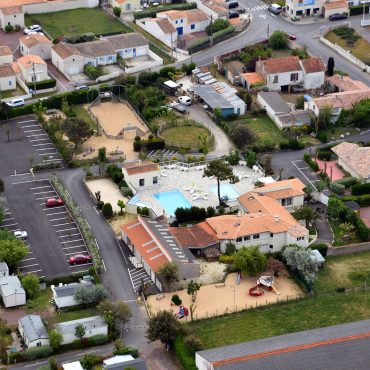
column 277, row 218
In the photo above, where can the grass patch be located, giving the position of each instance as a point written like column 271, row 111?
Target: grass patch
column 83, row 114
column 335, row 132
column 360, row 48
column 41, row 301
column 73, row 22
column 308, row 140
column 12, row 93
column 309, row 313
column 75, row 315
column 184, row 134
column 264, row 128
column 347, row 271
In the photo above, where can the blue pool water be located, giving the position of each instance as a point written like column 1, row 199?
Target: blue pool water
column 226, row 190
column 171, row 200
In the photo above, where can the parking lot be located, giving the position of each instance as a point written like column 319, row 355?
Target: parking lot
column 28, row 144
column 53, row 235
column 306, row 172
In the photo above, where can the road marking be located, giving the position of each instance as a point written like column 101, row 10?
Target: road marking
column 53, row 160
column 39, row 150
column 21, row 174
column 36, row 135
column 37, row 129
column 96, row 210
column 97, row 245
column 28, row 259
column 36, row 363
column 76, row 246
column 79, row 272
column 41, row 198
column 71, row 241
column 48, row 209
column 67, row 236
column 56, row 213
column 119, row 246
column 304, row 175
column 56, row 219
column 78, row 252
column 30, row 120
column 67, row 223
column 8, row 219
column 41, row 187
column 72, row 228
column 44, row 192
column 82, row 264
column 30, row 126
column 105, row 269
column 35, row 264
column 40, row 144
column 9, row 225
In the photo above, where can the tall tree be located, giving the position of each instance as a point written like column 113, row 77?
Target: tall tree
column 242, row 136
column 168, row 274
column 56, row 339
column 307, row 214
column 5, row 338
column 163, row 326
column 330, row 67
column 77, row 130
column 12, row 251
column 222, row 171
column 250, row 260
column 278, row 40
column 121, row 205
column 102, row 157
column 89, row 295
column 114, row 313
column 192, row 290
column 80, row 331
column 30, row 283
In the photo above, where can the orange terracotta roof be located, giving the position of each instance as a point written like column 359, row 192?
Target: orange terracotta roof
column 6, row 70
column 32, row 40
column 10, row 10
column 65, row 50
column 281, row 65
column 28, row 60
column 192, row 15
column 345, row 83
column 345, row 99
column 336, row 5
column 5, row 50
column 313, row 65
column 283, row 189
column 145, row 245
column 16, row 68
column 197, row 236
column 11, row 3
column 164, row 24
column 143, row 167
column 253, row 78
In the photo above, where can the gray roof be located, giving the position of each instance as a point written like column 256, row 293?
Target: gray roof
column 330, row 348
column 211, row 97
column 33, row 327
column 69, row 289
column 127, row 40
column 10, row 285
column 96, row 48
column 275, row 102
column 137, row 363
column 68, row 327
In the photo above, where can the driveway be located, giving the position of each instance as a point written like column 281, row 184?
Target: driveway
column 223, row 144
column 62, row 83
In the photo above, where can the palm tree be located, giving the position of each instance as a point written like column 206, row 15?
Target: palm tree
column 307, row 214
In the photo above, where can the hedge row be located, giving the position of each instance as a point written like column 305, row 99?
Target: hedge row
column 337, row 188
column 47, row 166
column 324, row 154
column 41, row 85
column 347, row 181
column 30, row 354
column 311, row 163
column 358, row 9
column 151, row 13
column 81, row 222
column 360, row 189
column 362, row 200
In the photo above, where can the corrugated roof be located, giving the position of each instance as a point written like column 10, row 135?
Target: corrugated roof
column 211, row 97
column 33, row 327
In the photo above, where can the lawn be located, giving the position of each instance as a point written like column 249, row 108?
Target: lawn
column 352, row 270
column 265, row 129
column 360, row 49
column 76, row 22
column 186, row 135
column 83, row 114
column 308, row 313
column 75, row 315
column 41, row 301
column 334, row 133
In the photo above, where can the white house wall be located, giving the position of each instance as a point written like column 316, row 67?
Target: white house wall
column 41, row 72
column 129, row 52
column 283, row 80
column 314, row 80
column 152, row 27
column 14, row 300
column 7, row 83
column 270, row 112
column 202, row 364
column 12, row 19
column 43, row 50
column 70, row 337
column 57, row 6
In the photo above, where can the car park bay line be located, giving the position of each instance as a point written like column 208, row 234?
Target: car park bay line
column 82, row 264
column 56, row 213
column 71, row 241
column 41, row 187
column 9, row 225
column 79, row 272
column 40, row 144
column 48, row 209
column 76, row 246
column 67, row 223
column 73, row 253
column 36, row 135
column 35, row 264
column 72, row 228
column 30, row 126
column 57, row 219
column 36, row 129
column 29, row 259
column 39, row 150
column 67, row 236
column 44, row 192
column 30, row 120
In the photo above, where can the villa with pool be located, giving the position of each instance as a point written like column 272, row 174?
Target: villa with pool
column 163, row 189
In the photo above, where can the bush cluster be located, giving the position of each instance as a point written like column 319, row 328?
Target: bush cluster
column 41, row 85
column 347, row 181
column 292, row 144
column 46, row 166
column 92, row 72
column 176, row 300
column 362, row 200
column 193, row 214
column 311, row 163
column 337, row 188
column 324, row 155
column 360, row 189
column 322, row 248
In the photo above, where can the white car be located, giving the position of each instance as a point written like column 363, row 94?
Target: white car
column 185, row 100
column 33, row 28
column 18, row 102
column 21, row 234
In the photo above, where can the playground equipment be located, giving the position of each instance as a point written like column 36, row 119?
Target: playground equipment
column 183, row 311
column 264, row 282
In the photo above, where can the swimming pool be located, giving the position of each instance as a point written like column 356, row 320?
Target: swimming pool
column 171, row 200
column 226, row 190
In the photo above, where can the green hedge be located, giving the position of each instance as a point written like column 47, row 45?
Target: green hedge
column 347, row 181
column 47, row 166
column 322, row 248
column 311, row 163
column 151, row 13
column 360, row 189
column 153, row 144
column 358, row 9
column 41, row 85
column 81, row 222
column 34, row 353
column 223, row 32
column 324, row 154
column 337, row 188
column 199, row 44
column 362, row 200
column 92, row 72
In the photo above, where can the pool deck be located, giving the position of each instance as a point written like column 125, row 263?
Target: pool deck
column 185, row 182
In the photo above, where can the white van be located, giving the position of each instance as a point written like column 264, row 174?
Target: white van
column 185, row 100
column 275, row 8
column 18, row 102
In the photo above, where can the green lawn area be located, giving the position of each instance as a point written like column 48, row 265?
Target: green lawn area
column 12, row 93
column 77, row 21
column 187, row 134
column 335, row 132
column 264, row 128
column 360, row 49
column 308, row 313
column 41, row 301
column 348, row 271
column 83, row 114
column 78, row 314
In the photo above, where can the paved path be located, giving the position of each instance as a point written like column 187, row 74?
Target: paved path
column 223, row 144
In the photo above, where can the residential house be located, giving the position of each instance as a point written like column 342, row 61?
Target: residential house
column 342, row 346
column 161, row 28
column 33, row 331
column 153, row 244
column 339, row 83
column 123, row 362
column 141, row 175
column 67, row 59
column 94, row 325
column 317, row 7
column 36, row 44
column 354, row 159
column 282, row 114
column 4, row 269
column 33, row 68
column 214, row 8
column 264, row 222
column 127, row 6
column 7, row 78
column 12, row 292
column 129, row 45
column 11, row 15
column 250, row 80
column 283, row 73
column 63, row 295
column 6, row 55
column 233, row 71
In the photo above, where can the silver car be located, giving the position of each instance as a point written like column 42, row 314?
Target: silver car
column 21, row 234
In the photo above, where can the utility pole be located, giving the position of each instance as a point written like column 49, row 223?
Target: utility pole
column 268, row 30
column 34, row 78
column 211, row 37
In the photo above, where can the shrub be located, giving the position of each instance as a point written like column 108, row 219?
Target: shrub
column 41, row 85
column 34, row 353
column 358, row 9
column 322, row 136
column 153, row 144
column 324, row 154
column 230, row 249
column 347, row 181
column 46, row 166
column 9, row 28
column 193, row 344
column 126, row 191
column 92, row 72
column 337, row 188
column 228, row 260
column 100, row 204
column 190, row 214
column 292, row 144
column 117, row 11
column 221, row 33
column 90, row 360
column 360, row 189
column 115, row 173
column 362, row 230
column 143, row 211
column 107, row 210
column 137, row 146
column 322, row 248
column 127, row 351
column 97, row 340
column 312, row 164
column 176, row 300
column 362, row 200
column 217, row 25
column 198, row 44
column 210, row 211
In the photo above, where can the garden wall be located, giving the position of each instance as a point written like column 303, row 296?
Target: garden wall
column 348, row 249
column 57, row 6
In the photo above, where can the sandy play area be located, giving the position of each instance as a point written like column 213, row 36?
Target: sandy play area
column 215, row 299
column 114, row 117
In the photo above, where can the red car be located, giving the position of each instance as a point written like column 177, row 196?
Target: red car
column 291, row 36
column 54, row 202
column 79, row 259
